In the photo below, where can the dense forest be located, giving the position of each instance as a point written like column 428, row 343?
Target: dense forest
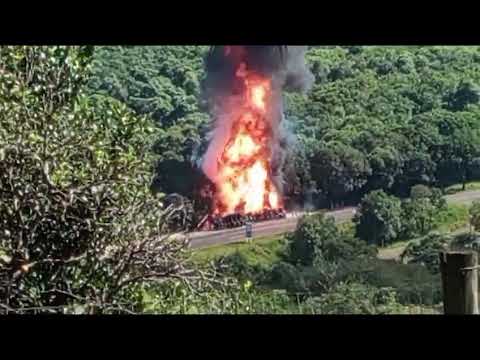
column 377, row 117
column 92, row 139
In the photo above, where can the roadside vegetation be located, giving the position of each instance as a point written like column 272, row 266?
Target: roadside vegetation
column 94, row 139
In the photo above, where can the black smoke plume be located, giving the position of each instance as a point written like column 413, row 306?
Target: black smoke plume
column 285, row 66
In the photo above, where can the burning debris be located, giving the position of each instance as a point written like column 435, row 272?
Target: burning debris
column 217, row 222
column 247, row 145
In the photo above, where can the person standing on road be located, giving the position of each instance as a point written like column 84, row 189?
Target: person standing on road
column 248, row 231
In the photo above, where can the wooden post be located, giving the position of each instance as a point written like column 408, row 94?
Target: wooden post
column 459, row 271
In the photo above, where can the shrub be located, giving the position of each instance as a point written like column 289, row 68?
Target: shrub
column 354, row 298
column 451, row 217
column 466, row 241
column 286, row 276
column 318, row 239
column 237, row 265
column 437, row 199
column 420, row 191
column 378, row 219
column 78, row 225
column 306, row 241
column 425, row 252
column 418, row 217
column 413, row 283
column 225, row 296
column 474, row 213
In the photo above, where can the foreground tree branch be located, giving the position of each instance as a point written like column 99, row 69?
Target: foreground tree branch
column 79, row 228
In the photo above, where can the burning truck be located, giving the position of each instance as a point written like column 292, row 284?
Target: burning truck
column 248, row 140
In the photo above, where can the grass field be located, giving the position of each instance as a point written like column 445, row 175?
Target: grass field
column 455, row 217
column 263, row 250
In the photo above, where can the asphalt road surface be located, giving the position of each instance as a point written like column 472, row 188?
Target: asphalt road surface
column 274, row 227
column 271, row 227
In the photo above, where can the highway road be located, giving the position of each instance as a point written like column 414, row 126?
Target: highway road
column 274, row 227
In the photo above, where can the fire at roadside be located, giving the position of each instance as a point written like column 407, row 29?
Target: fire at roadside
column 240, row 154
column 217, row 222
column 247, row 142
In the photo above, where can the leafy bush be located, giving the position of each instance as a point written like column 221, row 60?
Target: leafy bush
column 418, row 217
column 451, row 217
column 238, row 266
column 378, row 219
column 413, row 283
column 288, row 277
column 354, row 298
column 437, row 199
column 421, row 212
column 318, row 239
column 346, row 248
column 474, row 213
column 420, row 191
column 466, row 241
column 78, row 224
column 181, row 215
column 319, row 255
column 225, row 296
column 306, row 241
column 425, row 252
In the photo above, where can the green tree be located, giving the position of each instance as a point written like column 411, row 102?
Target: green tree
column 420, row 191
column 288, row 277
column 305, row 244
column 474, row 213
column 386, row 164
column 425, row 252
column 378, row 219
column 317, row 239
column 413, row 283
column 461, row 144
column 437, row 199
column 355, row 298
column 339, row 170
column 418, row 217
column 465, row 94
column 469, row 241
column 378, row 117
column 79, row 229
column 163, row 83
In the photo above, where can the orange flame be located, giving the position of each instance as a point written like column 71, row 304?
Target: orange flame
column 244, row 183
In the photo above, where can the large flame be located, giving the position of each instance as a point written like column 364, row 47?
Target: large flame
column 244, row 183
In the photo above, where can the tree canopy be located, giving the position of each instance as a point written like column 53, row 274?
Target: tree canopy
column 378, row 117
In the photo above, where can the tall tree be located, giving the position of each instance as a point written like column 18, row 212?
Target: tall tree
column 378, row 219
column 80, row 231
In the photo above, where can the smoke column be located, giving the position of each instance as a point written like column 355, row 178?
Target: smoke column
column 229, row 69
